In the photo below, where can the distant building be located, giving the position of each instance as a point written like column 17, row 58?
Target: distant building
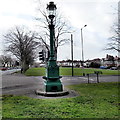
column 108, row 61
column 68, row 63
column 117, row 61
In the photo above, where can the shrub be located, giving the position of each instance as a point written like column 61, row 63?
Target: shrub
column 94, row 65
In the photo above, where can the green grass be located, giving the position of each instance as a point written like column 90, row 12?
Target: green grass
column 94, row 101
column 35, row 72
column 68, row 71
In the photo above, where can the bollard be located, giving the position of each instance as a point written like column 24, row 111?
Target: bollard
column 88, row 78
column 97, row 77
column 97, row 73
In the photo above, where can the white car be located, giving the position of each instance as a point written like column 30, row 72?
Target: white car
column 113, row 68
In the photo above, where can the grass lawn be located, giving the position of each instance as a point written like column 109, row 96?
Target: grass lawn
column 94, row 101
column 68, row 71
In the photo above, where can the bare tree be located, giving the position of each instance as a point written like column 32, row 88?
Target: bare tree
column 114, row 41
column 61, row 30
column 23, row 45
column 5, row 60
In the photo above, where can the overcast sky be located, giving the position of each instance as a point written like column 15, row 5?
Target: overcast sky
column 98, row 15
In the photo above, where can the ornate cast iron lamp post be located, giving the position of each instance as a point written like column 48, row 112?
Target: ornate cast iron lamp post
column 52, row 79
column 52, row 84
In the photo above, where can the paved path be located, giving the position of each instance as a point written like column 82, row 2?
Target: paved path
column 7, row 72
column 18, row 84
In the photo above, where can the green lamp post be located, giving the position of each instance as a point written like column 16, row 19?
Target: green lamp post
column 52, row 81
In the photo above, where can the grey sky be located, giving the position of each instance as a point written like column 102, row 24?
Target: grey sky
column 97, row 14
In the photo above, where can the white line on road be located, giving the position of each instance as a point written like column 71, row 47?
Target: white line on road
column 86, row 78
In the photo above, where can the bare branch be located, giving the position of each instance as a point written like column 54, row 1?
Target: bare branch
column 61, row 29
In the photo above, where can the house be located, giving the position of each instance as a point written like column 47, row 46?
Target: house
column 109, row 61
column 117, row 61
column 68, row 63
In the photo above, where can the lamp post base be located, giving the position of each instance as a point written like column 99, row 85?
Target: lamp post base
column 52, row 89
column 52, row 94
column 52, row 81
column 53, row 86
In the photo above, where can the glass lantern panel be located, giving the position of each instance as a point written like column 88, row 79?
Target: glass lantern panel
column 51, row 12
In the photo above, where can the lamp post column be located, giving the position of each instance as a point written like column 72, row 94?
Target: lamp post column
column 51, row 27
column 82, row 50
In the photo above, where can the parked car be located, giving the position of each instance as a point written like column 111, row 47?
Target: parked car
column 113, row 68
column 103, row 67
column 3, row 69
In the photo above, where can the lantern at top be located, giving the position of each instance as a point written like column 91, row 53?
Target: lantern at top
column 51, row 8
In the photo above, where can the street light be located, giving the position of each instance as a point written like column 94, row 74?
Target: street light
column 82, row 48
column 52, row 83
column 51, row 7
column 52, row 79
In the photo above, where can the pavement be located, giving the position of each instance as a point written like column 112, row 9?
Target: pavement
column 7, row 72
column 19, row 84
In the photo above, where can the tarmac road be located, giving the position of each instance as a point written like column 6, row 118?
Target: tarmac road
column 18, row 84
column 92, row 79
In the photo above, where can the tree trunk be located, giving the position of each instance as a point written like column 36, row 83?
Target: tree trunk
column 25, row 66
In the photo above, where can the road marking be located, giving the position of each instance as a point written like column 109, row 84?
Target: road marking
column 89, row 79
column 83, row 78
